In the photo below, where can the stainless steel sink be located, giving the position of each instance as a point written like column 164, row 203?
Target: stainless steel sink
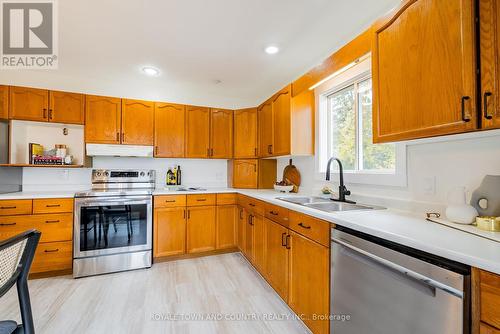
column 327, row 205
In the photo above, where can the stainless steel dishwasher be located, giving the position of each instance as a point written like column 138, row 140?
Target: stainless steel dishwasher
column 380, row 287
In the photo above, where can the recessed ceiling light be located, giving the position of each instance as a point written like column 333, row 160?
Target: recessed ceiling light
column 271, row 50
column 151, row 71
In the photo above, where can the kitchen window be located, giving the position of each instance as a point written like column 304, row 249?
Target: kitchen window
column 345, row 131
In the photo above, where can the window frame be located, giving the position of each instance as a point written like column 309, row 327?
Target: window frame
column 355, row 74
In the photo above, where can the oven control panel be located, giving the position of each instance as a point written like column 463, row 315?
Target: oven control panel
column 123, row 175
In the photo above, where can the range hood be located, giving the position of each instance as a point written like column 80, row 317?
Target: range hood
column 108, row 150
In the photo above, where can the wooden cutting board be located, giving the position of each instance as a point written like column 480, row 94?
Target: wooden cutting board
column 292, row 175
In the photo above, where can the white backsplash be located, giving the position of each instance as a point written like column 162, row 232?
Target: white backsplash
column 195, row 172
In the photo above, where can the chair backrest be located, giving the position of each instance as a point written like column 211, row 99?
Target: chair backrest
column 16, row 256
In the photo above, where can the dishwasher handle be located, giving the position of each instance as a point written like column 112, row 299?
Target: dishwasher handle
column 402, row 270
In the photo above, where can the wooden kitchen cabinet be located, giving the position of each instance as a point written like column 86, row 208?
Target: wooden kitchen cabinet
column 485, row 329
column 259, row 243
column 309, row 283
column 423, row 67
column 252, row 173
column 249, row 238
column 221, row 134
column 53, row 256
column 266, row 129
column 201, row 229
column 226, row 234
column 30, row 104
column 282, row 124
column 169, row 231
column 66, row 107
column 245, row 133
column 4, row 102
column 277, row 258
column 137, row 122
column 242, row 214
column 169, row 130
column 490, row 298
column 489, row 30
column 103, row 117
column 197, row 132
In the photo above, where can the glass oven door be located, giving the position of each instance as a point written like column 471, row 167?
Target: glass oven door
column 110, row 225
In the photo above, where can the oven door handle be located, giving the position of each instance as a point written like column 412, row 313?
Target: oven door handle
column 403, row 271
column 113, row 201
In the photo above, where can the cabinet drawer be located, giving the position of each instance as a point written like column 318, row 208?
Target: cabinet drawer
column 169, row 201
column 226, row 199
column 255, row 206
column 54, row 227
column 52, row 205
column 277, row 214
column 490, row 298
column 313, row 228
column 53, row 256
column 200, row 199
column 16, row 207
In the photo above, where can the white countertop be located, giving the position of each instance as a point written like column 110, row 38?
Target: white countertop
column 400, row 227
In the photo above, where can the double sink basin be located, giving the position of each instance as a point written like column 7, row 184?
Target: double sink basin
column 327, row 205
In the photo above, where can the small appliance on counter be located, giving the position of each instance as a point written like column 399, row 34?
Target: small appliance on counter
column 113, row 222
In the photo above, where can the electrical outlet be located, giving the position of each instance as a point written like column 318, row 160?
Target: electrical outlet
column 429, row 185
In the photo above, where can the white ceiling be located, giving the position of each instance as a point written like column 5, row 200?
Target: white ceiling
column 103, row 44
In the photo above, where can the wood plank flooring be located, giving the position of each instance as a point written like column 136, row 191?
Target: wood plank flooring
column 223, row 289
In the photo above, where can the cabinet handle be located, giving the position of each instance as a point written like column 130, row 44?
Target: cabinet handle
column 304, row 226
column 255, row 152
column 44, row 112
column 8, row 224
column 51, row 250
column 189, row 214
column 156, row 150
column 270, row 149
column 184, row 214
column 287, row 244
column 50, row 114
column 273, row 213
column 7, row 207
column 53, row 205
column 170, row 201
column 201, row 199
column 208, row 152
column 251, row 204
column 117, row 136
column 485, row 102
column 283, row 243
column 241, row 213
column 51, row 221
column 211, row 152
column 464, row 118
column 250, row 220
column 123, row 137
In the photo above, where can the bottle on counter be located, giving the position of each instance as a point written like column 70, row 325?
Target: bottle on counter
column 178, row 180
column 174, row 178
column 170, row 175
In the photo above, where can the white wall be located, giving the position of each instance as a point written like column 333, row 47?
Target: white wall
column 442, row 164
column 195, row 172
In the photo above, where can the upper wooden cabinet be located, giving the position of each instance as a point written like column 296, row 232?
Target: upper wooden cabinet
column 245, row 133
column 30, row 104
column 4, row 102
column 424, row 69
column 169, row 130
column 197, row 132
column 221, row 133
column 137, row 122
column 489, row 30
column 286, row 124
column 66, row 107
column 103, row 117
column 252, row 173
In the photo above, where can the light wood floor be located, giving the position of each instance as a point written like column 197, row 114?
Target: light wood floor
column 142, row 301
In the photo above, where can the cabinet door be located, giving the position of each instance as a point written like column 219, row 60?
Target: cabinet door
column 221, row 134
column 29, row 104
column 485, row 329
column 277, row 257
column 197, row 132
column 309, row 280
column 4, row 102
column 226, row 226
column 423, row 64
column 245, row 133
column 169, row 231
column 266, row 129
column 169, row 130
column 489, row 12
column 245, row 174
column 241, row 228
column 103, row 117
column 249, row 238
column 137, row 122
column 200, row 229
column 66, row 107
column 259, row 245
column 282, row 125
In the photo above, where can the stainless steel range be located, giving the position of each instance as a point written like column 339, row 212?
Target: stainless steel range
column 113, row 223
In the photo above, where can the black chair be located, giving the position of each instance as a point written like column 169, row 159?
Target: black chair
column 16, row 256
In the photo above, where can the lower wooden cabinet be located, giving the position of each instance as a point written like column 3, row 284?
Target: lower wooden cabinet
column 485, row 329
column 226, row 226
column 242, row 214
column 200, row 229
column 249, row 239
column 169, row 231
column 309, row 281
column 489, row 300
column 277, row 258
column 259, row 239
column 53, row 256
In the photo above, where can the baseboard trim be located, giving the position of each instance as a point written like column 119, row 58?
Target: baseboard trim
column 194, row 255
